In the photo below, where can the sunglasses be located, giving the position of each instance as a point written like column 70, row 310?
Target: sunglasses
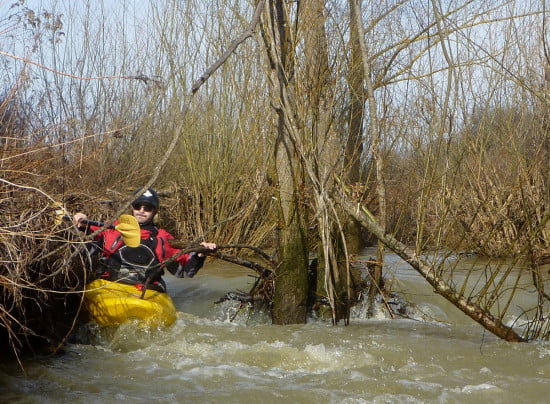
column 146, row 207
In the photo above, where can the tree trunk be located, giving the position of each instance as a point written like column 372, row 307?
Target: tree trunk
column 289, row 304
column 354, row 140
column 375, row 133
column 291, row 282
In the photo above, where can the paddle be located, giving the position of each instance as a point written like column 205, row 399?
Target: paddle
column 128, row 227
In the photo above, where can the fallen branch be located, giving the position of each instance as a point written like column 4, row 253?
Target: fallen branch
column 474, row 311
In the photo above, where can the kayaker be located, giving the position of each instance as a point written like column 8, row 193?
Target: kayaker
column 136, row 265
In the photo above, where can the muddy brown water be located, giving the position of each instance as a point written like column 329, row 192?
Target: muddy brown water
column 206, row 358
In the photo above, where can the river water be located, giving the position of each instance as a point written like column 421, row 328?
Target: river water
column 206, row 358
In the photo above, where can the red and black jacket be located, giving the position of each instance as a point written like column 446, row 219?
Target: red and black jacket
column 110, row 241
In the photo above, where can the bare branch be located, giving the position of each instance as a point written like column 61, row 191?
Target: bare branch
column 232, row 47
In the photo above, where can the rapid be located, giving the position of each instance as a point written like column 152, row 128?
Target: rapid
column 208, row 358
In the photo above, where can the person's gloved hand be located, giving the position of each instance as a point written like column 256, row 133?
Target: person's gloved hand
column 152, row 274
column 192, row 266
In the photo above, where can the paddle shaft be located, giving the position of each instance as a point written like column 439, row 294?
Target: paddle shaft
column 91, row 222
column 95, row 223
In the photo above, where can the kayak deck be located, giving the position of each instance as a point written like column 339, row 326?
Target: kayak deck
column 113, row 303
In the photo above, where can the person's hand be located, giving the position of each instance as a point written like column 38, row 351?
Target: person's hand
column 210, row 246
column 78, row 217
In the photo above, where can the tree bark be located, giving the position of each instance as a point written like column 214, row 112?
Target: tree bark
column 289, row 304
column 375, row 133
column 354, row 141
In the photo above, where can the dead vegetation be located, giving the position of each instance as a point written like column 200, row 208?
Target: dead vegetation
column 39, row 287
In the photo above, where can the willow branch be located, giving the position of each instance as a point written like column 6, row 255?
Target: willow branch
column 259, row 268
column 232, row 47
column 139, row 77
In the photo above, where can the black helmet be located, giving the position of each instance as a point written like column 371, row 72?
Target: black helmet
column 149, row 196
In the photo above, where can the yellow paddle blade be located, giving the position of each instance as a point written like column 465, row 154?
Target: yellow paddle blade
column 60, row 213
column 129, row 229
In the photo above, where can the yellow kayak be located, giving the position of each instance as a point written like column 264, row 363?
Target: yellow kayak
column 113, row 303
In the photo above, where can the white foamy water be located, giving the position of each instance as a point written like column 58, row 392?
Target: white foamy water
column 205, row 358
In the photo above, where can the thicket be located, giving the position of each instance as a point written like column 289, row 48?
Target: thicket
column 463, row 150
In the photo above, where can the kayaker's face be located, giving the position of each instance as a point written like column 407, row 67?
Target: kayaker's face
column 143, row 212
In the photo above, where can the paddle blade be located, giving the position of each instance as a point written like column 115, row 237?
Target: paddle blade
column 129, row 229
column 60, row 213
